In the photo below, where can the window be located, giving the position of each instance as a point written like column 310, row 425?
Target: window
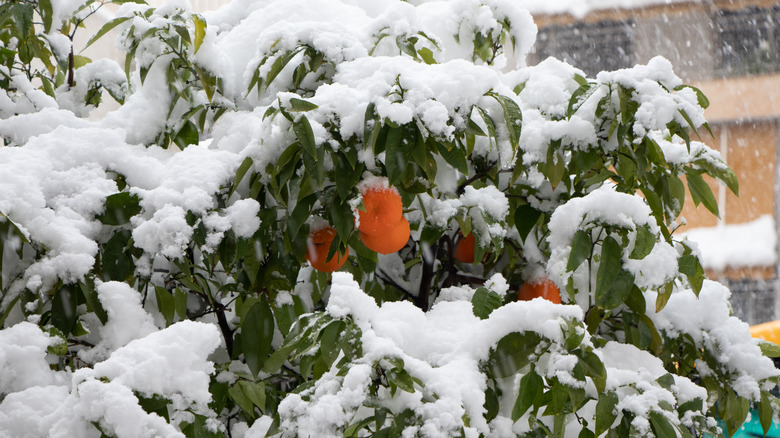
column 592, row 47
column 749, row 40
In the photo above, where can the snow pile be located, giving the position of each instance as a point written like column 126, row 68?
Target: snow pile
column 707, row 320
column 171, row 363
column 607, row 210
column 580, row 8
column 448, row 350
column 751, row 244
column 23, row 351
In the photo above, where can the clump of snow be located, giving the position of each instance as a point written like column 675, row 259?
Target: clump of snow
column 736, row 245
column 708, row 321
column 127, row 319
column 443, row 348
column 598, row 210
column 23, row 350
column 487, row 199
column 172, row 363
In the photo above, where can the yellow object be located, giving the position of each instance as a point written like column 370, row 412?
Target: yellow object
column 768, row 331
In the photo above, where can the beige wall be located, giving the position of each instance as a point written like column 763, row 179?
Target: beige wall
column 749, row 149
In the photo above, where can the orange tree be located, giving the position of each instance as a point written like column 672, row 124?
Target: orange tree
column 248, row 129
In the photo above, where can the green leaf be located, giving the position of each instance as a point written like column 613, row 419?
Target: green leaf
column 208, row 80
column 526, row 218
column 342, row 218
column 701, row 192
column 300, row 215
column 663, row 296
column 394, row 158
column 768, row 348
column 673, row 196
column 765, row 411
column 257, row 332
column 513, row 117
column 305, row 135
column 254, row 392
column 200, row 30
column 406, row 46
column 491, row 126
column 240, row 173
column 426, row 55
column 63, row 309
column 484, row 302
column 492, row 404
column 513, row 352
column 301, row 105
column 45, row 10
column 721, row 171
column 93, row 303
column 180, row 303
column 594, row 368
column 555, row 168
column 80, row 61
column 155, row 404
column 279, row 63
column 455, row 156
column 106, row 28
column 605, row 412
column 690, row 265
column 700, row 97
column 120, row 207
column 610, row 265
column 575, row 98
column 401, row 378
column 581, row 248
column 645, row 241
column 661, row 426
column 529, row 394
column 483, row 47
column 243, row 402
column 689, row 122
column 187, row 135
column 117, row 265
column 287, row 314
column 165, row 304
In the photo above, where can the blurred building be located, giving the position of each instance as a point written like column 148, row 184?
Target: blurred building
column 730, row 49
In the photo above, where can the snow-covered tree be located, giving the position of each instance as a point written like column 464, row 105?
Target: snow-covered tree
column 158, row 262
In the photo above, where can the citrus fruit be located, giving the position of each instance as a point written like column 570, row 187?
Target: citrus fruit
column 544, row 288
column 383, row 210
column 464, row 250
column 389, row 240
column 317, row 247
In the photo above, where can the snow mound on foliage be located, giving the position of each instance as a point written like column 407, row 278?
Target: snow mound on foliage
column 444, row 348
column 171, row 363
column 23, row 350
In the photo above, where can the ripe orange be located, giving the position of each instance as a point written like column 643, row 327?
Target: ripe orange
column 317, row 247
column 383, row 210
column 464, row 251
column 388, row 240
column 539, row 288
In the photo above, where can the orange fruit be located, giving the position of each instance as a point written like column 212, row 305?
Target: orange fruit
column 544, row 288
column 383, row 210
column 317, row 247
column 389, row 240
column 464, row 250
